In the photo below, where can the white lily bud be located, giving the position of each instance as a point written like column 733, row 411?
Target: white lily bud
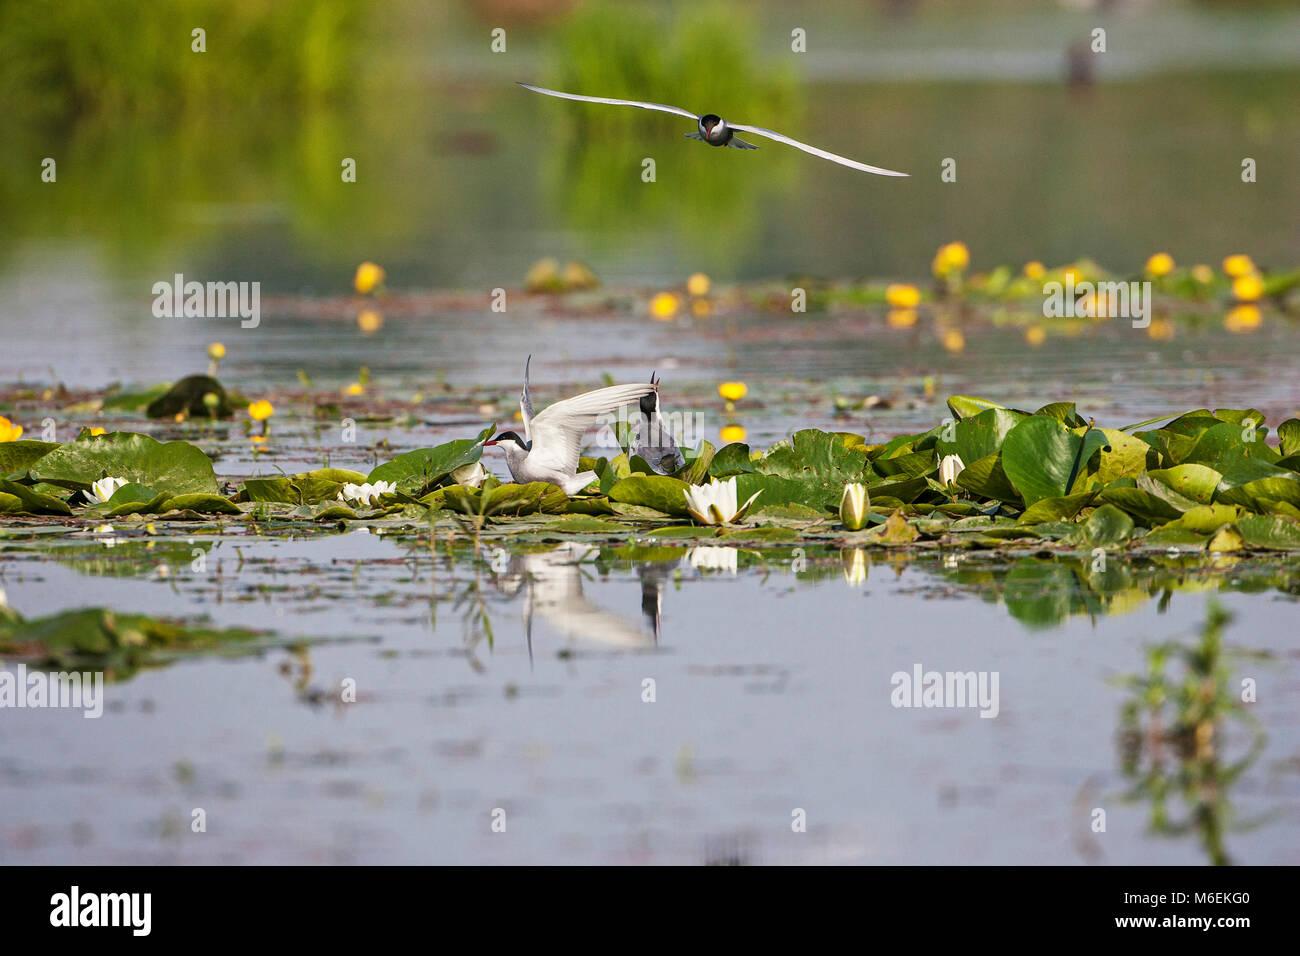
column 854, row 505
column 949, row 469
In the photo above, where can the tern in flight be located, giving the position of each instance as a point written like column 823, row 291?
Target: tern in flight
column 552, row 442
column 716, row 131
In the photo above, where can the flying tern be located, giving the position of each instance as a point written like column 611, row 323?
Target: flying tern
column 553, row 438
column 716, row 131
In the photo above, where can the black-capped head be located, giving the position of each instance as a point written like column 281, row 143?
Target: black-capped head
column 710, row 120
column 508, row 437
column 650, row 403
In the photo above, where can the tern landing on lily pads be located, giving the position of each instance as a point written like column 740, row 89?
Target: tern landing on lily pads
column 552, row 442
column 714, row 130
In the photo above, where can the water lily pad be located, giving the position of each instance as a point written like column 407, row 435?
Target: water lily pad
column 33, row 502
column 202, row 504
column 176, row 467
column 660, row 492
column 1107, row 526
column 1055, row 509
column 731, row 459
column 418, row 471
column 1289, row 435
column 980, row 435
column 507, row 499
column 17, row 456
column 895, row 530
column 1204, row 519
column 1268, row 532
column 966, row 406
column 586, row 524
column 1042, row 457
column 1196, row 482
column 1227, row 538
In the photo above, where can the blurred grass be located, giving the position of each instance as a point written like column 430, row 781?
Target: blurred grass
column 113, row 58
column 701, row 57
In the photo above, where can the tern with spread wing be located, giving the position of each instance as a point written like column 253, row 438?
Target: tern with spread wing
column 716, row 131
column 552, row 442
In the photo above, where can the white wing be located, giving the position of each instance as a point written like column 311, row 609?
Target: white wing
column 558, row 429
column 526, row 401
column 780, row 138
column 612, row 102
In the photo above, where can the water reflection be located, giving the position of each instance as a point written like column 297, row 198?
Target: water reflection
column 1175, row 737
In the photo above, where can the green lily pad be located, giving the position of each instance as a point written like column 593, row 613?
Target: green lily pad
column 18, row 456
column 660, row 492
column 1107, row 526
column 34, row 502
column 1269, row 532
column 418, row 471
column 203, row 504
column 176, row 467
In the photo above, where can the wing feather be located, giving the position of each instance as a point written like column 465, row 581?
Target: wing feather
column 660, row 107
column 558, row 430
column 824, row 154
column 526, row 401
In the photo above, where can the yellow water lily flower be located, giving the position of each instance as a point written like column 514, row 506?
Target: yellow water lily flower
column 1161, row 330
column 260, row 410
column 1243, row 318
column 950, row 259
column 9, row 431
column 731, row 433
column 1238, row 265
column 370, row 321
column 953, row 340
column 1035, row 335
column 1247, row 288
column 664, row 306
column 356, row 388
column 903, row 296
column 216, row 351
column 901, row 318
column 698, row 284
column 1035, row 270
column 368, row 278
column 733, row 391
column 1161, row 264
column 96, row 431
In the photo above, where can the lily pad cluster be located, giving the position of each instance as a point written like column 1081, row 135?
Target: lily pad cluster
column 1205, row 479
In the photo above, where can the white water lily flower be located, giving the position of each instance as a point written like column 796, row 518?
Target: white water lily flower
column 103, row 489
column 713, row 558
column 471, row 476
column 715, row 503
column 366, row 494
column 949, row 469
column 853, row 506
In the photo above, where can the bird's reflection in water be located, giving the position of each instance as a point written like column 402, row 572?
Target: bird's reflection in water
column 552, row 582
